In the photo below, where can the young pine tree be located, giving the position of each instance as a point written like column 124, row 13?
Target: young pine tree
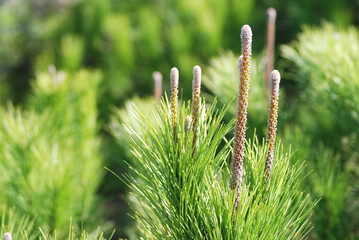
column 186, row 194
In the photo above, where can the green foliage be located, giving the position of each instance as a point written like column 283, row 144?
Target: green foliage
column 51, row 163
column 119, row 58
column 115, row 36
column 125, row 117
column 22, row 227
column 26, row 29
column 71, row 235
column 122, row 156
column 126, row 43
column 185, row 197
column 330, row 184
column 310, row 110
column 326, row 69
column 72, row 52
column 327, row 180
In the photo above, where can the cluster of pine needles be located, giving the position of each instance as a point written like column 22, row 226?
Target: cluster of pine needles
column 185, row 185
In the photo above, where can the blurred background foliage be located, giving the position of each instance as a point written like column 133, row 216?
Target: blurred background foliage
column 66, row 65
column 128, row 40
column 51, row 165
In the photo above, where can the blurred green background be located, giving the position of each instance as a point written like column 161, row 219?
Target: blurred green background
column 108, row 50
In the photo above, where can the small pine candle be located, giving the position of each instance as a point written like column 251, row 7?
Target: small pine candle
column 272, row 121
column 241, row 120
column 174, row 98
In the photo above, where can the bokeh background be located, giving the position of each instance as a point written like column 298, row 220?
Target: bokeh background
column 120, row 43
